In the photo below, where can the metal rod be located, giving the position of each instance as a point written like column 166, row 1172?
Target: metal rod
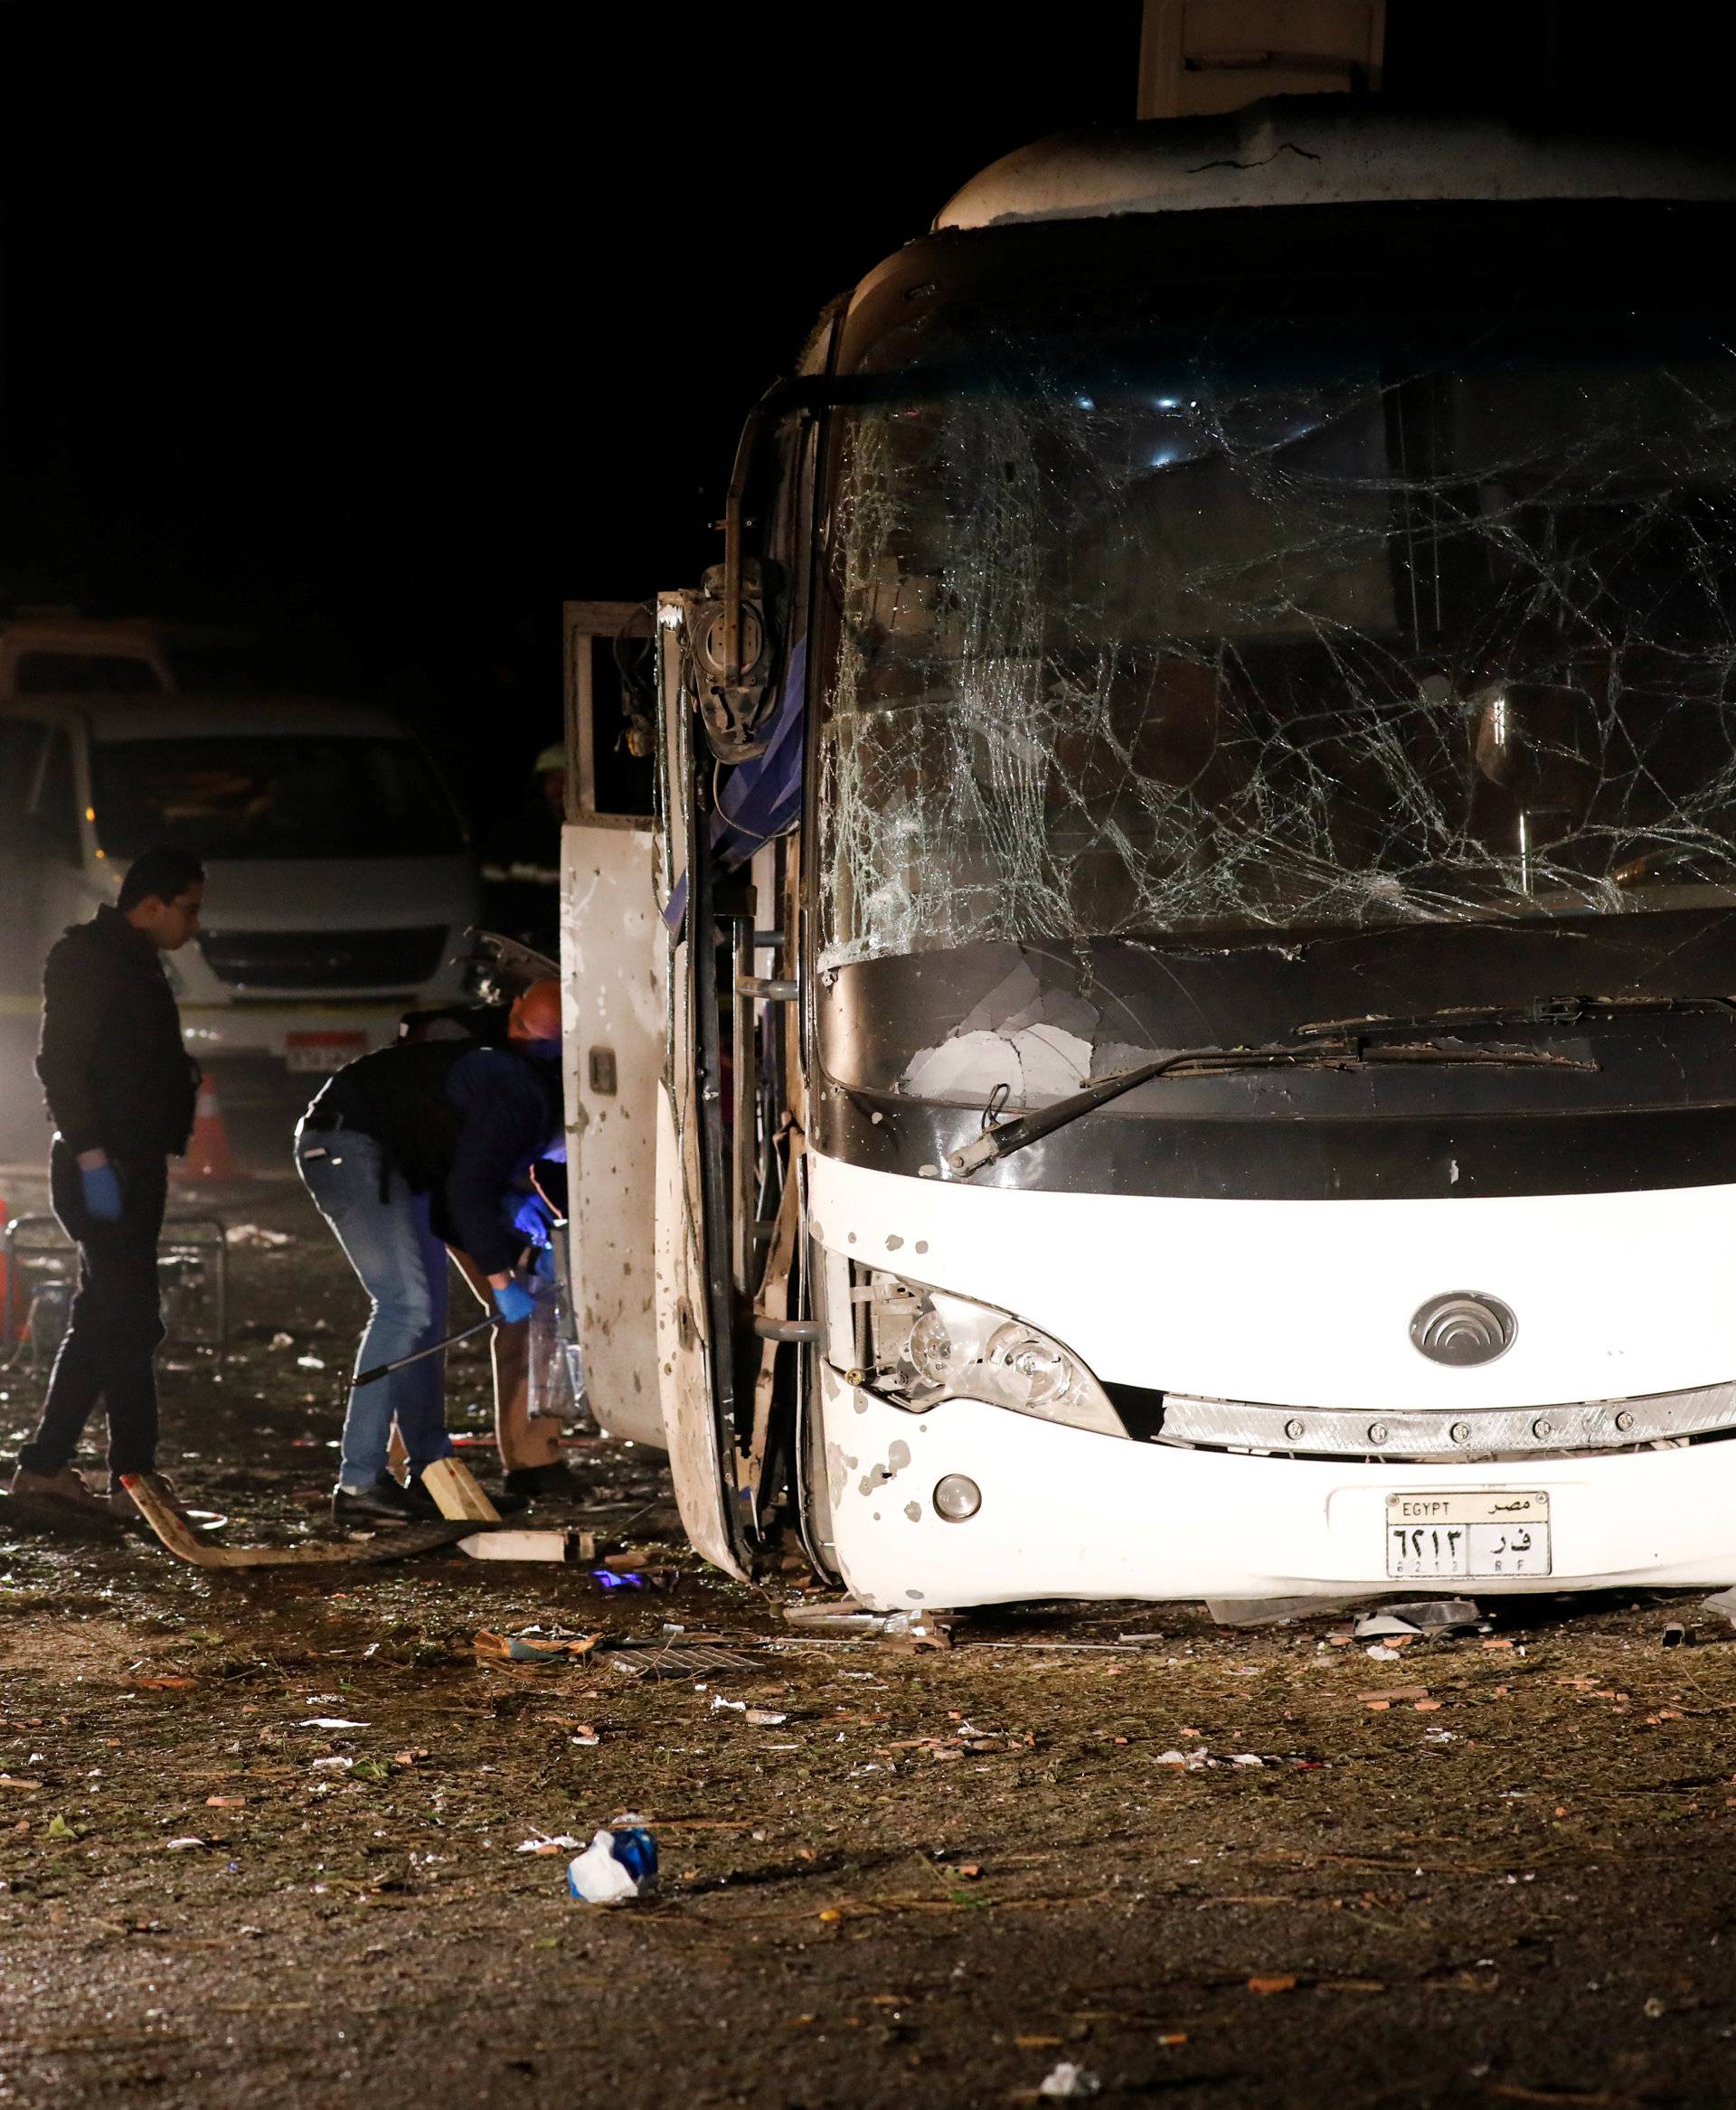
column 384, row 1369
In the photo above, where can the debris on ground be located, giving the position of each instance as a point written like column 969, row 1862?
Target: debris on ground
column 621, row 1863
column 1070, row 2083
column 533, row 1646
column 756, row 1717
column 882, row 1901
column 844, row 1618
column 655, row 1659
column 257, row 1235
column 1263, row 1612
column 1429, row 1616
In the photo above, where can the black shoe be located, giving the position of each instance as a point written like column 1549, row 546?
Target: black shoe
column 553, row 1482
column 386, row 1502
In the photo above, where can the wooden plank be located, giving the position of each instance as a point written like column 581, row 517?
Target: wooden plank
column 456, row 1493
column 515, row 1545
column 187, row 1544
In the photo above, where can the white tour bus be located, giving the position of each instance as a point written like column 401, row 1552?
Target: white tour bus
column 1175, row 1021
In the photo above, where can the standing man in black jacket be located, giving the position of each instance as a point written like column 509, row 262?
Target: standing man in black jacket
column 120, row 1086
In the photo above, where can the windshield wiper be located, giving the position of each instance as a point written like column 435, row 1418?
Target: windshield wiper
column 1543, row 1010
column 995, row 1144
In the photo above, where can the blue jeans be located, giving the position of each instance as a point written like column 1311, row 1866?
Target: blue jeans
column 402, row 1266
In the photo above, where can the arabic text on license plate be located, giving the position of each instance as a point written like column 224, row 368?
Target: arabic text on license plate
column 323, row 1052
column 1432, row 1536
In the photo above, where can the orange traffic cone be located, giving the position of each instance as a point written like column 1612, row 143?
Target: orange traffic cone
column 209, row 1156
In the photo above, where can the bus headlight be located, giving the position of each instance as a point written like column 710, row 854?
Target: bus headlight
column 931, row 1351
column 927, row 1346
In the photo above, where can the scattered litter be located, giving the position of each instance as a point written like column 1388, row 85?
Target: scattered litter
column 721, row 1706
column 331, row 1721
column 11, row 1780
column 281, row 1340
column 1381, row 1653
column 1675, row 1634
column 1723, row 1604
column 1193, row 1761
column 765, row 1718
column 621, row 1863
column 181, row 1845
column 1425, row 1615
column 1069, row 2082
column 840, row 1618
column 1285, row 1982
column 225, row 1801
column 545, row 1842
column 309, row 1362
column 672, row 1660
column 587, row 1737
column 332, row 1764
column 256, row 1234
column 1246, row 1758
column 532, row 1647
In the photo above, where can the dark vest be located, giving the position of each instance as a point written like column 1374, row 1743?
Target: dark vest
column 398, row 1095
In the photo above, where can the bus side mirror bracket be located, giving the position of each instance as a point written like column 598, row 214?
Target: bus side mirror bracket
column 729, row 624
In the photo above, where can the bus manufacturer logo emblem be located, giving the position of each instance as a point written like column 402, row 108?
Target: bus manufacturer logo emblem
column 1463, row 1329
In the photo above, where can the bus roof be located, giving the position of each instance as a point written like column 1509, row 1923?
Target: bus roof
column 1324, row 150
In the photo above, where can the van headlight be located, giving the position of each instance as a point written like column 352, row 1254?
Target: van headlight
column 927, row 1346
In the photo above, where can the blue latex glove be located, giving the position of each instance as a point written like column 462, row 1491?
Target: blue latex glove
column 101, row 1185
column 544, row 1269
column 513, row 1303
column 534, row 1219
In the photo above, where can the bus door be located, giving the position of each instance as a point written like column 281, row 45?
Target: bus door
column 613, row 999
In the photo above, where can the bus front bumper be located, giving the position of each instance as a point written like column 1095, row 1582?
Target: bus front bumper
column 1065, row 1513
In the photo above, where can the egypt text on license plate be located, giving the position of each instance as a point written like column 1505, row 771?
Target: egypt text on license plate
column 1501, row 1533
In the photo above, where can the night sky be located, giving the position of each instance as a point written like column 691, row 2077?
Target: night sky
column 387, row 332
column 382, row 331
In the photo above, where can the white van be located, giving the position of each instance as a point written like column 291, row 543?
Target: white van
column 46, row 654
column 340, row 878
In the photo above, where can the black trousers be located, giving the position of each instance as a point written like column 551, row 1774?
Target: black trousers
column 116, row 1321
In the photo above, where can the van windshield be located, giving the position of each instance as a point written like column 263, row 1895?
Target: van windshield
column 1283, row 631
column 297, row 795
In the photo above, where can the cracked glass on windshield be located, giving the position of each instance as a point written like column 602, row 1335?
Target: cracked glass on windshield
column 1224, row 641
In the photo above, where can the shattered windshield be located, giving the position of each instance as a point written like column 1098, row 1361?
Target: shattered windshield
column 1205, row 637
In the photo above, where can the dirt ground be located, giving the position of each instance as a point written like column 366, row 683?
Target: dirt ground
column 1491, row 1869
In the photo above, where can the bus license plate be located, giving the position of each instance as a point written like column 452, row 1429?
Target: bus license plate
column 321, row 1053
column 1431, row 1537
